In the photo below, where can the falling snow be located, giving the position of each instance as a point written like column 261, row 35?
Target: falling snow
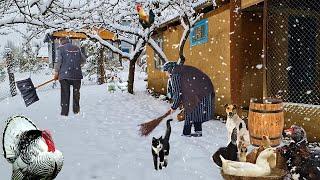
column 259, row 66
column 103, row 140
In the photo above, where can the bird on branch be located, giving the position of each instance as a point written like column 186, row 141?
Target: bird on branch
column 145, row 20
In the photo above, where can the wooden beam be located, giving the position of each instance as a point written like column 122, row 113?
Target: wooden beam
column 265, row 15
column 248, row 3
column 104, row 34
column 235, row 57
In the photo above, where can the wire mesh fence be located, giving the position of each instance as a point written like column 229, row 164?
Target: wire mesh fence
column 293, row 50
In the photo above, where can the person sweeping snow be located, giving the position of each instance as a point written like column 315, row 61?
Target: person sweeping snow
column 194, row 90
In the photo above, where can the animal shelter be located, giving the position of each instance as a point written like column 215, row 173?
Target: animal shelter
column 252, row 49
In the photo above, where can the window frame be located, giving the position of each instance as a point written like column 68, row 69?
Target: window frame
column 204, row 38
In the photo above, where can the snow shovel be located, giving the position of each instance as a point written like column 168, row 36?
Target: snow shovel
column 28, row 91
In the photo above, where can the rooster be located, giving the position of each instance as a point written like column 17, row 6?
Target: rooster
column 31, row 151
column 145, row 20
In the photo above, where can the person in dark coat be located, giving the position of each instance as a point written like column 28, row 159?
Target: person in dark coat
column 195, row 91
column 68, row 71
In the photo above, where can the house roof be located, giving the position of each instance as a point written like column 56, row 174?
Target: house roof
column 103, row 33
column 199, row 5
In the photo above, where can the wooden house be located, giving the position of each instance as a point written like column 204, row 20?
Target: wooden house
column 253, row 49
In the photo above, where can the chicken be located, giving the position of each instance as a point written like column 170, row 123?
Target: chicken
column 252, row 156
column 145, row 20
column 229, row 152
column 261, row 168
column 31, row 151
column 302, row 162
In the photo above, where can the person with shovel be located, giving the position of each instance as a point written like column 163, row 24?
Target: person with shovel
column 195, row 91
column 69, row 59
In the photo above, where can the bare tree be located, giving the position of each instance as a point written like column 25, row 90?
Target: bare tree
column 88, row 16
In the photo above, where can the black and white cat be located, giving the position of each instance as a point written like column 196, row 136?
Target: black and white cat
column 160, row 148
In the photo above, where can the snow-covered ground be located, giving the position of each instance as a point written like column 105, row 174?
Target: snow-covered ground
column 37, row 78
column 103, row 142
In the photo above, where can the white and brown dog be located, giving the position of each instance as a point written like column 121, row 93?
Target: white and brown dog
column 233, row 120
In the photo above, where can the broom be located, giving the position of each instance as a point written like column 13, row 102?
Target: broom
column 148, row 127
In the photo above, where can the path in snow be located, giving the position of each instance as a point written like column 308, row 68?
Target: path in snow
column 103, row 142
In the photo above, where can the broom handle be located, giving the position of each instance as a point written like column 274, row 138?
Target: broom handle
column 166, row 114
column 44, row 83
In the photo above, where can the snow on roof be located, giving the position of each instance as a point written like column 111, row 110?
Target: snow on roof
column 173, row 15
column 201, row 2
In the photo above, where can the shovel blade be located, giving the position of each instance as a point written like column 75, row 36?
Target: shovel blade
column 28, row 91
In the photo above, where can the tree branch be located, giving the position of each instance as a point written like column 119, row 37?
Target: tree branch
column 153, row 44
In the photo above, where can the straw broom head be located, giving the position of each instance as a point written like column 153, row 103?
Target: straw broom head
column 148, row 127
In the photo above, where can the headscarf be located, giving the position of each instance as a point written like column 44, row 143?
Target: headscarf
column 169, row 66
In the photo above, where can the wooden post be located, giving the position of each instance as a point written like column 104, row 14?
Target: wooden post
column 120, row 55
column 9, row 62
column 235, row 51
column 265, row 15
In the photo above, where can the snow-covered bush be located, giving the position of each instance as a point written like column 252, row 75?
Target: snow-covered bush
column 92, row 51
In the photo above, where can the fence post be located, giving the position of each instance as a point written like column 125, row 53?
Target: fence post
column 9, row 62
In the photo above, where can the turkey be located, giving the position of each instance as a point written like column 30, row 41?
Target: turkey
column 31, row 151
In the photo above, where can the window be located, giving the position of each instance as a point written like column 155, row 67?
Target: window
column 199, row 33
column 126, row 50
column 157, row 60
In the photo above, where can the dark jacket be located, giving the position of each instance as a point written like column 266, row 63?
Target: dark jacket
column 69, row 60
column 191, row 86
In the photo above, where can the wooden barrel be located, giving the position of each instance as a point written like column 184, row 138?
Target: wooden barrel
column 266, row 118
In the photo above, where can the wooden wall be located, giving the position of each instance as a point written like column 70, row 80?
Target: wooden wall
column 251, row 53
column 307, row 117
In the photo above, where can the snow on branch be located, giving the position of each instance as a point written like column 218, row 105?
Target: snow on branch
column 127, row 40
column 154, row 45
column 107, row 44
column 43, row 5
column 118, row 16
